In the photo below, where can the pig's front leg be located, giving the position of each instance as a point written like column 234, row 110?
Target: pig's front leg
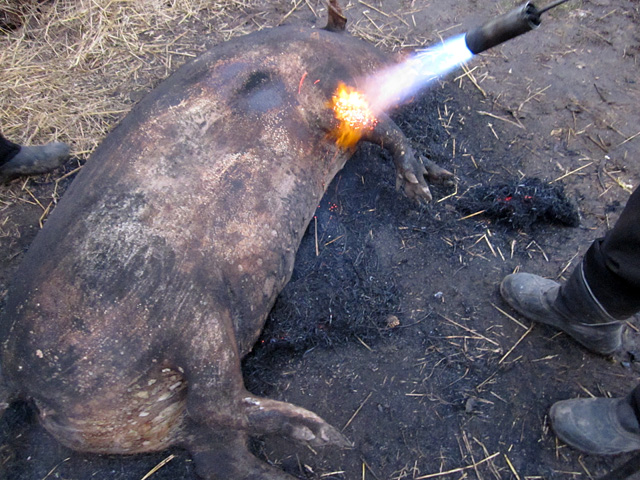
column 411, row 171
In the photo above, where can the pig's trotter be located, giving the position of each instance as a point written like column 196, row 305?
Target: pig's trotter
column 410, row 170
column 437, row 174
column 267, row 416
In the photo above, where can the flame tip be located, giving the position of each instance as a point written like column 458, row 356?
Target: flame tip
column 354, row 114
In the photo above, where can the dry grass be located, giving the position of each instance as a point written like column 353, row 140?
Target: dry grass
column 75, row 68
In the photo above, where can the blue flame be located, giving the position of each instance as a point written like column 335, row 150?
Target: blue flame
column 394, row 85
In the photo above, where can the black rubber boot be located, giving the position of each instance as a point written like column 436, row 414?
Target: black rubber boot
column 571, row 307
column 600, row 426
column 34, row 160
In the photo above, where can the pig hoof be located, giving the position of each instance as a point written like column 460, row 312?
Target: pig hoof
column 267, row 416
column 318, row 433
column 437, row 174
column 414, row 184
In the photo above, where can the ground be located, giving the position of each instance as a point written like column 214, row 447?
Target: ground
column 394, row 330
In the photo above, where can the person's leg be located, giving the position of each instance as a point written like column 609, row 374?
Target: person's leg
column 17, row 160
column 612, row 263
column 8, row 150
column 601, row 292
column 600, row 426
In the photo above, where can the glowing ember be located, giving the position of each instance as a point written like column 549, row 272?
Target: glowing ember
column 354, row 114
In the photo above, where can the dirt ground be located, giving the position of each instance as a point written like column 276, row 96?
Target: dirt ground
column 461, row 387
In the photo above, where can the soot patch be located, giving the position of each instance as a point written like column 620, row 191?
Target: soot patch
column 261, row 92
column 521, row 204
column 340, row 292
column 255, row 81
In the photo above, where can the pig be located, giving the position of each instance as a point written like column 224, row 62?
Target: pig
column 152, row 279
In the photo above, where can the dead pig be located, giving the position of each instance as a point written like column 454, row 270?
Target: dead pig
column 154, row 275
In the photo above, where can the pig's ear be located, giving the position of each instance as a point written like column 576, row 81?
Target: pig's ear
column 336, row 22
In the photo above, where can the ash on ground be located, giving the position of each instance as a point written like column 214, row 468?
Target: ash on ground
column 521, row 204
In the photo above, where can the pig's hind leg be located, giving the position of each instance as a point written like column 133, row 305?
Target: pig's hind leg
column 411, row 171
column 221, row 453
column 221, row 413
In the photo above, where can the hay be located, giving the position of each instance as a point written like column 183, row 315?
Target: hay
column 69, row 71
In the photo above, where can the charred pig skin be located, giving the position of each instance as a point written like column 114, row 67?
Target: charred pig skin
column 153, row 277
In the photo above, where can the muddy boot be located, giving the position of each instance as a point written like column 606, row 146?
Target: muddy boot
column 600, row 426
column 571, row 307
column 34, row 160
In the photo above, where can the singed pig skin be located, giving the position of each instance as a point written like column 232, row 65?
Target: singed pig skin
column 154, row 275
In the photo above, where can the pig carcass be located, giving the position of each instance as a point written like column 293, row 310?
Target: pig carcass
column 153, row 277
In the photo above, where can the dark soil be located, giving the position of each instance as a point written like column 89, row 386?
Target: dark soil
column 394, row 329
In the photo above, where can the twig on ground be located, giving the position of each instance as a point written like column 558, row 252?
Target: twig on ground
column 469, row 74
column 513, row 470
column 158, row 467
column 357, row 411
column 468, row 447
column 472, row 215
column 510, row 317
column 54, row 468
column 373, row 8
column 457, row 470
column 567, row 265
column 516, row 344
column 571, row 172
column 628, row 139
column 470, row 330
column 531, row 97
column 507, row 120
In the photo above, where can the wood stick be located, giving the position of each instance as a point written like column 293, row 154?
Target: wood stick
column 158, row 466
column 357, row 411
column 457, row 470
column 516, row 344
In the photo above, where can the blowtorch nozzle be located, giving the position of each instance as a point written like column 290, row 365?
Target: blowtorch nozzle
column 516, row 22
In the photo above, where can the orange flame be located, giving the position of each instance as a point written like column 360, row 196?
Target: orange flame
column 354, row 115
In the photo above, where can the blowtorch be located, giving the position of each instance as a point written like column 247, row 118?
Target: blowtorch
column 391, row 86
column 505, row 27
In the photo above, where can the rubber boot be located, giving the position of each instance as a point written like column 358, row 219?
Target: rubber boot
column 34, row 160
column 600, row 426
column 571, row 307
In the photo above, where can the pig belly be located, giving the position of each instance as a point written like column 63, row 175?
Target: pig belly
column 146, row 416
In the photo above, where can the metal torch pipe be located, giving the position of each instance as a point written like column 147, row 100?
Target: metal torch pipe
column 505, row 27
column 553, row 5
